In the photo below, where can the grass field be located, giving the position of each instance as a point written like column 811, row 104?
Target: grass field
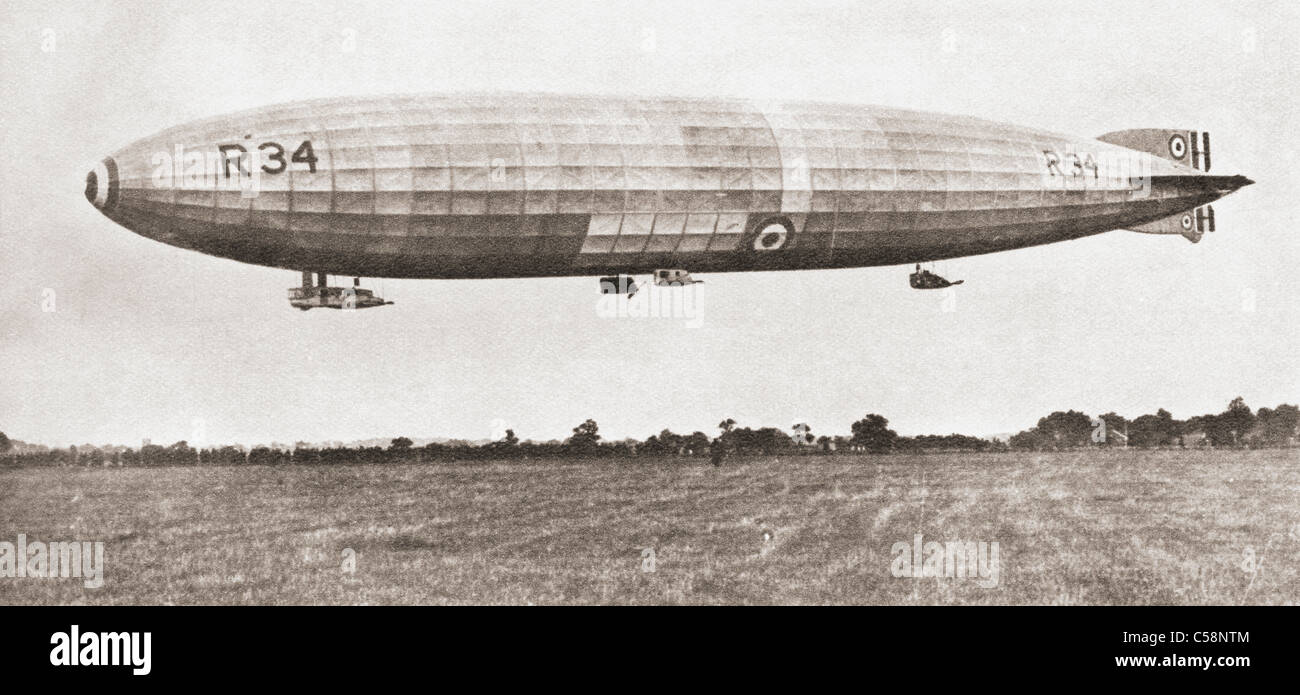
column 1108, row 527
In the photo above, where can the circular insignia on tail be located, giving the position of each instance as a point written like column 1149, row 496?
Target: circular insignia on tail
column 772, row 234
column 1177, row 146
column 1186, row 222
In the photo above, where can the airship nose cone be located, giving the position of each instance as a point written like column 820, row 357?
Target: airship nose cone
column 102, row 185
column 92, row 186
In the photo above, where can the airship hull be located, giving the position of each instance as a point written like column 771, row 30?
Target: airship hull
column 475, row 186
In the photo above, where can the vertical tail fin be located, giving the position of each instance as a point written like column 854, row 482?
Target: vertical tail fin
column 1192, row 225
column 1188, row 147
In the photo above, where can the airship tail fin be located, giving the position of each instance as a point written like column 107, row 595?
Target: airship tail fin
column 1191, row 224
column 1187, row 147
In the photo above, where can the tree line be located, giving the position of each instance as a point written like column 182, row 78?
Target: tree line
column 1237, row 426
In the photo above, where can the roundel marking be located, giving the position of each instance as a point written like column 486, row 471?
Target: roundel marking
column 1187, row 222
column 772, row 234
column 1177, row 146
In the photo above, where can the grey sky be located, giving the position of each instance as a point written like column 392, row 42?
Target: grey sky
column 146, row 339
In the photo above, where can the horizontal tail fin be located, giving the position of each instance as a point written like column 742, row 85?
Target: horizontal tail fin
column 1188, row 147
